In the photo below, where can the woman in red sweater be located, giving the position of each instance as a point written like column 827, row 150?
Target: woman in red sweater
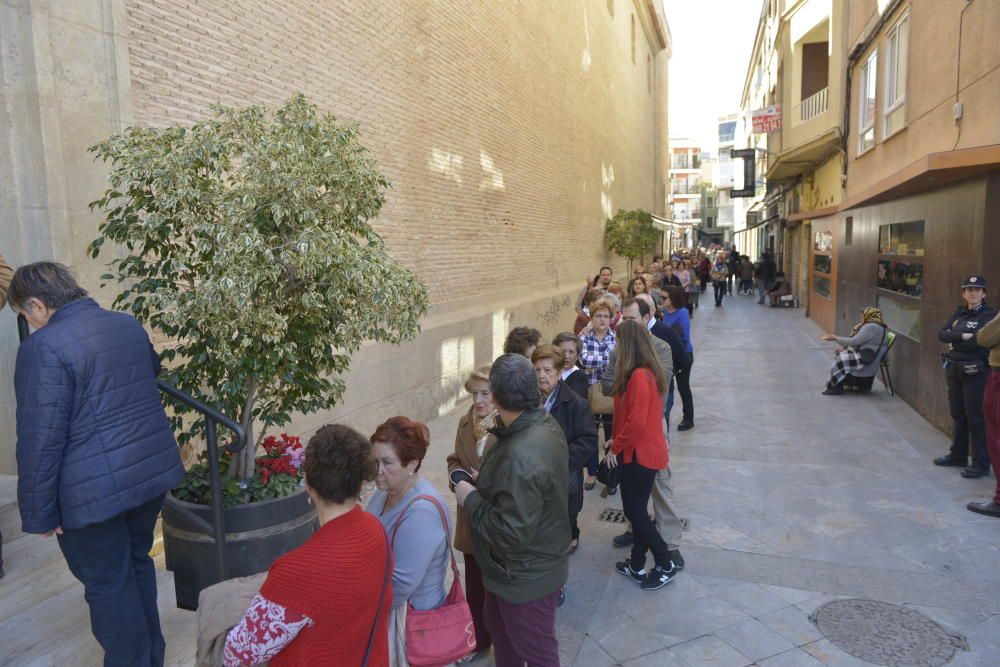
column 323, row 601
column 639, row 446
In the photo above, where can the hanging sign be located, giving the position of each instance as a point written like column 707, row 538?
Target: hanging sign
column 767, row 119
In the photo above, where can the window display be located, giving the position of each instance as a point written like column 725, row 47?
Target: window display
column 902, row 238
column 902, row 277
column 902, row 315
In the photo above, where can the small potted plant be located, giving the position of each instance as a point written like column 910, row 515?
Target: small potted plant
column 249, row 249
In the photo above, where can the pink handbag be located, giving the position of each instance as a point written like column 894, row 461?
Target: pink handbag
column 443, row 635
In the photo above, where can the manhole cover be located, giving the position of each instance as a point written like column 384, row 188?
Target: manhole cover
column 886, row 634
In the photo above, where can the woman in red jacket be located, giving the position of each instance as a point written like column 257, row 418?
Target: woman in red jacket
column 639, row 446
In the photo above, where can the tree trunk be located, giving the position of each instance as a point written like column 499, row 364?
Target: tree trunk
column 242, row 464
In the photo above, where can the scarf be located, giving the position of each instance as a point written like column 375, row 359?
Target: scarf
column 868, row 316
column 480, row 424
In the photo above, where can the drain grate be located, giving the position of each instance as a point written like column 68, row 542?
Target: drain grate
column 612, row 515
column 886, row 634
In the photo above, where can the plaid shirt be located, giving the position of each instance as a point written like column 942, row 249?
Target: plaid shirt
column 594, row 357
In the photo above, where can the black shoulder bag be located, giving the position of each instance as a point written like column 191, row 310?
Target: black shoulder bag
column 868, row 355
column 381, row 597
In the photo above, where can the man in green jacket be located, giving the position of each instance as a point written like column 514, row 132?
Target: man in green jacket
column 520, row 520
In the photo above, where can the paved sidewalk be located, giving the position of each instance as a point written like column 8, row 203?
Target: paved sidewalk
column 794, row 499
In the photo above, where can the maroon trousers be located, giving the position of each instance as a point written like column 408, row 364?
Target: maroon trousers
column 991, row 414
column 475, row 595
column 523, row 634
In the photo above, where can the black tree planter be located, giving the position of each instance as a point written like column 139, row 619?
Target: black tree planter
column 256, row 534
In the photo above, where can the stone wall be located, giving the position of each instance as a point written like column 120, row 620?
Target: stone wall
column 510, row 131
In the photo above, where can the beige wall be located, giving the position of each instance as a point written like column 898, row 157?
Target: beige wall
column 930, row 87
column 510, row 131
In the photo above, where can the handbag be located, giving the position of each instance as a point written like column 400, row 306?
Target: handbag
column 868, row 355
column 443, row 635
column 599, row 403
column 608, row 476
column 378, row 609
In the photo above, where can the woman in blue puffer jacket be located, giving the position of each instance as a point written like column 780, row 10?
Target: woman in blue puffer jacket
column 95, row 452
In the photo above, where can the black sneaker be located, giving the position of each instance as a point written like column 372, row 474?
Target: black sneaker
column 685, row 426
column 625, row 567
column 677, row 559
column 975, row 472
column 562, row 596
column 659, row 577
column 948, row 461
column 623, row 540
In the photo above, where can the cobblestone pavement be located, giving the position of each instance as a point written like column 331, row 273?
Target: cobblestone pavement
column 794, row 499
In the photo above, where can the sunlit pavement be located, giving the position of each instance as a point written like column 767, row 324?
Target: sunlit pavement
column 794, row 499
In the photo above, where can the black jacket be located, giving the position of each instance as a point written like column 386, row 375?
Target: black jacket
column 666, row 333
column 577, row 422
column 577, row 381
column 963, row 321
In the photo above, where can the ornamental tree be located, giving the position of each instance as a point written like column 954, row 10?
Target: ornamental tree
column 631, row 235
column 249, row 245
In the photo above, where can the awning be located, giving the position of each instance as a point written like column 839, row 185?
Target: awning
column 667, row 225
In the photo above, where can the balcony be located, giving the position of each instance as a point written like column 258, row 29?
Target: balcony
column 813, row 105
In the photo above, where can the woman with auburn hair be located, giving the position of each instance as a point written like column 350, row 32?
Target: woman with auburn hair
column 414, row 516
column 572, row 413
column 472, row 441
column 639, row 446
column 638, row 286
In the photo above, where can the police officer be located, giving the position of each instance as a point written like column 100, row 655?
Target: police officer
column 966, row 370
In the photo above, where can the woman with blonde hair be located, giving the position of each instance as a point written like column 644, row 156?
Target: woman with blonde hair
column 640, row 447
column 472, row 440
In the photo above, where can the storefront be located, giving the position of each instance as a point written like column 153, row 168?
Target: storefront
column 822, row 282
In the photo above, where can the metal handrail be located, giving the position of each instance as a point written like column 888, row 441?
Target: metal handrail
column 212, row 416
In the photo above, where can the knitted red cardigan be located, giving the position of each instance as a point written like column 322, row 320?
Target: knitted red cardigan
column 637, row 427
column 335, row 579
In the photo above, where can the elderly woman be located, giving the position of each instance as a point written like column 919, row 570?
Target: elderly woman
column 420, row 544
column 572, row 375
column 597, row 346
column 320, row 602
column 857, row 350
column 471, row 442
column 615, row 296
column 573, row 414
column 95, row 452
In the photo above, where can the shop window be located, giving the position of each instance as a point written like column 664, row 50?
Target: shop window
column 822, row 286
column 823, row 264
column 901, row 277
column 902, row 238
column 902, row 315
column 849, row 230
column 823, row 242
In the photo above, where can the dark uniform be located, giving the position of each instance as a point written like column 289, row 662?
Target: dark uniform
column 966, row 370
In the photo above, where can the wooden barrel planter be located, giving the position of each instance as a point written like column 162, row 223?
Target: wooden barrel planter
column 256, row 534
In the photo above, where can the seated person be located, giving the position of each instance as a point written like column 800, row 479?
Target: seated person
column 856, row 351
column 780, row 288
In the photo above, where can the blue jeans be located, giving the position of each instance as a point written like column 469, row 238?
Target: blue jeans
column 111, row 560
column 670, row 402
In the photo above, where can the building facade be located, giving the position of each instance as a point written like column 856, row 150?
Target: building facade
column 685, row 178
column 885, row 171
column 494, row 122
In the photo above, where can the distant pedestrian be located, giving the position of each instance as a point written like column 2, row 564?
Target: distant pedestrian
column 96, row 454
column 733, row 264
column 765, row 275
column 719, row 275
column 966, row 372
column 989, row 337
column 704, row 272
column 522, row 340
column 640, row 447
column 522, row 486
column 746, row 275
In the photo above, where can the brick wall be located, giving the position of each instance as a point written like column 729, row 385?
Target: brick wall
column 509, row 130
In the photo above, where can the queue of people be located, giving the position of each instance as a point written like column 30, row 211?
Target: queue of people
column 525, row 453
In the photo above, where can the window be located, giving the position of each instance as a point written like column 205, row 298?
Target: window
column 822, row 285
column 849, row 230
column 896, row 48
column 902, row 315
column 901, row 277
column 902, row 238
column 866, row 103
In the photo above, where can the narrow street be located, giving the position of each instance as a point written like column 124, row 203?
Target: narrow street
column 793, row 498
